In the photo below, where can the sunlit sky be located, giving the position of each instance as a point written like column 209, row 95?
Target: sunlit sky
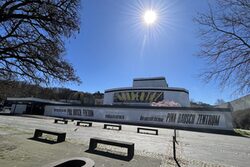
column 115, row 45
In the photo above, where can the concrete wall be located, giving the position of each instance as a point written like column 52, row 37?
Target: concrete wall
column 149, row 83
column 238, row 104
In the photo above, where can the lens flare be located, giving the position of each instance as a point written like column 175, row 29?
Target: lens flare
column 150, row 17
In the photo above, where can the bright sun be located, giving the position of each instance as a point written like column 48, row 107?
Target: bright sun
column 150, row 17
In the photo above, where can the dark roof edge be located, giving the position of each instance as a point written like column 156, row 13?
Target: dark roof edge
column 152, row 78
column 146, row 88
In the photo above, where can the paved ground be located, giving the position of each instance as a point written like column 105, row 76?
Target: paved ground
column 194, row 149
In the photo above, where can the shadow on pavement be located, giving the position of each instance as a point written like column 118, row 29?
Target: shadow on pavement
column 43, row 140
column 110, row 155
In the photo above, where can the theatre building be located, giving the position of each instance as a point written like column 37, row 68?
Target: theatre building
column 149, row 102
column 145, row 91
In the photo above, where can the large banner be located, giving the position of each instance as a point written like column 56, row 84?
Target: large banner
column 163, row 117
column 138, row 97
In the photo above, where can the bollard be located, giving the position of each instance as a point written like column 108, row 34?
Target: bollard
column 174, row 151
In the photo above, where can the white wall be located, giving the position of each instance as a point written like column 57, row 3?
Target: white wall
column 241, row 103
column 238, row 104
column 108, row 98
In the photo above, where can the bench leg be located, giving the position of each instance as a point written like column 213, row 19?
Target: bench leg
column 37, row 134
column 92, row 145
column 131, row 152
column 65, row 122
column 61, row 138
column 55, row 121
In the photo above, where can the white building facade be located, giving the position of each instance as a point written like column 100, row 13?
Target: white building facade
column 145, row 91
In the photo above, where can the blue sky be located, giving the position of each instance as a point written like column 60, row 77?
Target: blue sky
column 114, row 46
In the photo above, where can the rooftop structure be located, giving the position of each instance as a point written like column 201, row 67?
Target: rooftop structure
column 156, row 82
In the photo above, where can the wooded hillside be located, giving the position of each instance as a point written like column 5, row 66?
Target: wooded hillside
column 21, row 89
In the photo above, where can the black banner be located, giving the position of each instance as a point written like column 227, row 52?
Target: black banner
column 138, row 97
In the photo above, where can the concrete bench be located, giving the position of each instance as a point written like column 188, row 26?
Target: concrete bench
column 147, row 129
column 60, row 135
column 61, row 120
column 112, row 125
column 78, row 123
column 130, row 146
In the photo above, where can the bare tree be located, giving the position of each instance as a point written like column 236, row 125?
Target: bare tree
column 219, row 102
column 32, row 34
column 225, row 34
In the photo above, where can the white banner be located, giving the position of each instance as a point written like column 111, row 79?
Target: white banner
column 210, row 119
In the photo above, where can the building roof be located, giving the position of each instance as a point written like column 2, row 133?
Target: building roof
column 33, row 99
column 149, row 78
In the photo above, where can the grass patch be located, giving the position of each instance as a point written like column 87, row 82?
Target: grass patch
column 243, row 132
